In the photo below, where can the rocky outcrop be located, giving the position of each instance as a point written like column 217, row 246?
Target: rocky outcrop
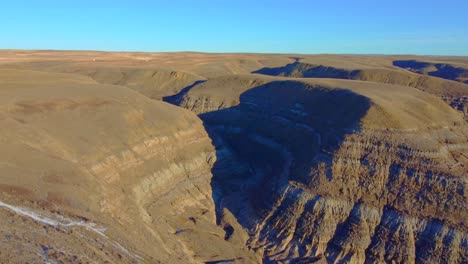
column 280, row 169
column 75, row 151
column 450, row 91
column 339, row 175
column 441, row 70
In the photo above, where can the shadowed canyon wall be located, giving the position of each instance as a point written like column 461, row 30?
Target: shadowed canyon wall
column 311, row 159
column 303, row 172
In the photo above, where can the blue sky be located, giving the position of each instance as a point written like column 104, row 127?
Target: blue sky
column 288, row 26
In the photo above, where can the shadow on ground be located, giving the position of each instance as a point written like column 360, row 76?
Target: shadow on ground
column 175, row 99
column 277, row 135
column 299, row 69
column 441, row 70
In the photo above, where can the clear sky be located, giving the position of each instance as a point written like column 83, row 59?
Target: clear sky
column 288, row 26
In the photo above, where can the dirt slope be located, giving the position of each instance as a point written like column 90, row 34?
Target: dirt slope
column 107, row 157
column 291, row 159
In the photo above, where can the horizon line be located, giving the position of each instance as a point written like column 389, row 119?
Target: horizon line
column 228, row 52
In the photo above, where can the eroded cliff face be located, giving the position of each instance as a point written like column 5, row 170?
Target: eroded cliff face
column 447, row 71
column 449, row 85
column 275, row 169
column 99, row 173
column 318, row 173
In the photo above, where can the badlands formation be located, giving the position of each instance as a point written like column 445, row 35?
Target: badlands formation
column 232, row 158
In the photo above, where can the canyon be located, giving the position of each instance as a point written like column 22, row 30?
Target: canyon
column 114, row 157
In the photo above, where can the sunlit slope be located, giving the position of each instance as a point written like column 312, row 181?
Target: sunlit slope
column 75, row 151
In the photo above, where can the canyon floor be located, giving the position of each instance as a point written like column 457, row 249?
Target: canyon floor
column 115, row 157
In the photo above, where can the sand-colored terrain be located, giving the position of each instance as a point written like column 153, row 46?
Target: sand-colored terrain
column 221, row 158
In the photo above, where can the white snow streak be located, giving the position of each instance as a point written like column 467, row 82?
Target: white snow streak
column 61, row 221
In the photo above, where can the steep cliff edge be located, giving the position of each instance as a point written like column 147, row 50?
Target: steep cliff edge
column 295, row 168
column 447, row 71
column 338, row 171
column 100, row 173
column 153, row 83
column 452, row 92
